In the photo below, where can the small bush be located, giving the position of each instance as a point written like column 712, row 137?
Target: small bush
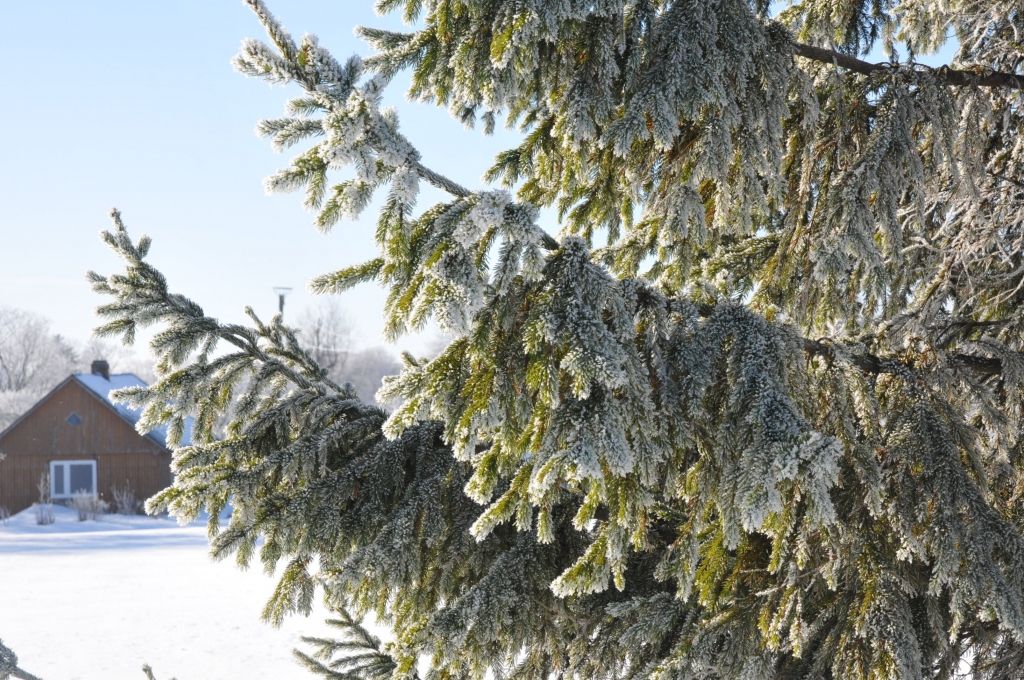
column 44, row 514
column 87, row 505
column 5, row 515
column 125, row 502
column 44, row 511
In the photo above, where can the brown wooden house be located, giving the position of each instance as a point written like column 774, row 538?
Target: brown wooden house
column 85, row 441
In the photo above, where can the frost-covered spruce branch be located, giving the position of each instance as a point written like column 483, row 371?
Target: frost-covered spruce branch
column 952, row 76
column 356, row 653
column 336, row 89
column 9, row 666
column 897, row 100
column 295, row 464
column 331, row 87
column 358, row 133
column 302, row 496
column 702, row 191
column 147, row 670
column 749, row 175
column 143, row 290
column 616, row 469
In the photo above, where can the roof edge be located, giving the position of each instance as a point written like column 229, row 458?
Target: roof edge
column 74, row 378
column 109, row 405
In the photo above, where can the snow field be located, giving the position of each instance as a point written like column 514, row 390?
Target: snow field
column 96, row 600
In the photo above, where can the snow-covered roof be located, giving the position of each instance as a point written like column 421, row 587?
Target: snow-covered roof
column 102, row 387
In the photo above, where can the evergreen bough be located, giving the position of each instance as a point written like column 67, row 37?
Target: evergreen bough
column 753, row 411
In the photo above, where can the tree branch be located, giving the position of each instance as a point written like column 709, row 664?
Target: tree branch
column 9, row 666
column 949, row 75
column 984, row 367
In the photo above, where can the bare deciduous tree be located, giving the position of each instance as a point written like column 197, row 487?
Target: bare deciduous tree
column 29, row 350
column 326, row 333
column 366, row 369
column 32, row 360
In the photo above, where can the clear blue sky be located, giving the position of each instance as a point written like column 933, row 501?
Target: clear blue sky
column 134, row 104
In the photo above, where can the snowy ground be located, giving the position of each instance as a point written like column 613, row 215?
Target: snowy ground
column 95, row 600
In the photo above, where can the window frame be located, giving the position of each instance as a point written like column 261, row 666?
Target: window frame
column 65, row 469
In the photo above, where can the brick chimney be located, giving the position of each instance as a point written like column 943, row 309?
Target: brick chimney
column 101, row 367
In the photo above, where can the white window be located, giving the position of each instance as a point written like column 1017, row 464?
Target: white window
column 68, row 477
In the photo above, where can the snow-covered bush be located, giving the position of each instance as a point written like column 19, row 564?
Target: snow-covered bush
column 44, row 509
column 87, row 505
column 125, row 502
column 44, row 514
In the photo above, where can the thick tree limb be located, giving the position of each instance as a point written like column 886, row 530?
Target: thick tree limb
column 984, row 367
column 949, row 75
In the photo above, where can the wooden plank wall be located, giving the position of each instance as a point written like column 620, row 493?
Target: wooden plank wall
column 121, row 454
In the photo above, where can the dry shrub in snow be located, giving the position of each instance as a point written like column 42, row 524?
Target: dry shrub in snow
column 87, row 506
column 44, row 514
column 125, row 501
column 44, row 511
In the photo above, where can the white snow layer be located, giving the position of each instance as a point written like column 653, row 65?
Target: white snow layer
column 96, row 600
